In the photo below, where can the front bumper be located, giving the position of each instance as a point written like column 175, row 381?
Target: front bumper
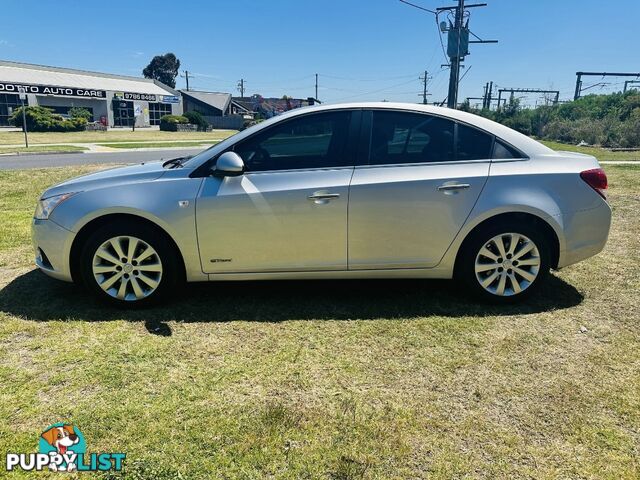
column 52, row 244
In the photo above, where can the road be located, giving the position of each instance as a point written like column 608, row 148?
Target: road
column 15, row 162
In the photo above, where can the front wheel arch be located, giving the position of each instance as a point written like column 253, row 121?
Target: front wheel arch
column 513, row 218
column 85, row 232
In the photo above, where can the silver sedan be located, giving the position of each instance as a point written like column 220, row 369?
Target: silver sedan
column 366, row 190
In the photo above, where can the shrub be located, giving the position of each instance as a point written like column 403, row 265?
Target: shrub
column 41, row 119
column 196, row 118
column 79, row 112
column 608, row 120
column 168, row 123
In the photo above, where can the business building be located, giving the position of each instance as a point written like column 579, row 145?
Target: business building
column 112, row 100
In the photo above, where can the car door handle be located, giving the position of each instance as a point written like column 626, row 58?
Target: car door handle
column 323, row 196
column 453, row 186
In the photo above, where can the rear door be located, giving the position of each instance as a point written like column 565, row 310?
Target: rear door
column 422, row 178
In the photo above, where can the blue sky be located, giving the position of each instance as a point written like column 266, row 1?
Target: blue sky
column 363, row 50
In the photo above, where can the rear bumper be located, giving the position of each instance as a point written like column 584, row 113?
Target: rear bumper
column 585, row 234
column 52, row 243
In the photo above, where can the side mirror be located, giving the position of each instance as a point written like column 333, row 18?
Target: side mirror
column 229, row 164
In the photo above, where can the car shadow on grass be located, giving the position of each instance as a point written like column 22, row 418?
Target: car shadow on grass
column 36, row 297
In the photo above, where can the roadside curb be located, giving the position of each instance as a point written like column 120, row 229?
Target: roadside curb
column 49, row 152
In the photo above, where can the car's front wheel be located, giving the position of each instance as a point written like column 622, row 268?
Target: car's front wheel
column 503, row 264
column 129, row 264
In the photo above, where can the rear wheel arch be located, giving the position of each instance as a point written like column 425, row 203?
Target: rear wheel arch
column 514, row 218
column 85, row 232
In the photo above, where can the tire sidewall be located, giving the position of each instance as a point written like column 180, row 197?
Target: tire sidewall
column 466, row 267
column 154, row 237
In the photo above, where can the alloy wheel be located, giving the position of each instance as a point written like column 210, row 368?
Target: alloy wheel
column 507, row 264
column 127, row 268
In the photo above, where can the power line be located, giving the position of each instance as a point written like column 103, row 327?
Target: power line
column 418, row 6
column 371, row 79
column 376, row 91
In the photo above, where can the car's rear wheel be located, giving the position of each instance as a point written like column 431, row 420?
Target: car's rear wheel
column 504, row 264
column 129, row 264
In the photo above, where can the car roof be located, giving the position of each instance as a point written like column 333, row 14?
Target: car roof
column 517, row 139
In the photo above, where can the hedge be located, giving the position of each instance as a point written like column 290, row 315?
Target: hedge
column 168, row 123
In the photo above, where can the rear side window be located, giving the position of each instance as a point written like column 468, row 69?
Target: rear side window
column 400, row 137
column 503, row 151
column 473, row 144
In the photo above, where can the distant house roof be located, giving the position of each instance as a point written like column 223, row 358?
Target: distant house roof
column 214, row 99
column 26, row 73
column 245, row 103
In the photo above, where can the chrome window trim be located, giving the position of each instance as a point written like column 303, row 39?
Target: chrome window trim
column 290, row 170
column 424, row 164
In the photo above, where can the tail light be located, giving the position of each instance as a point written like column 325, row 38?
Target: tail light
column 596, row 179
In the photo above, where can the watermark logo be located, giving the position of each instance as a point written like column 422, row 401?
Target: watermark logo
column 62, row 448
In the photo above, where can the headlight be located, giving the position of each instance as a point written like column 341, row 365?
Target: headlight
column 46, row 205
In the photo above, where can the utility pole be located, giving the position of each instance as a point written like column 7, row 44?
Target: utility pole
column 186, row 77
column 23, row 96
column 457, row 42
column 316, row 97
column 424, row 79
column 454, row 73
column 458, row 45
column 241, row 87
column 490, row 96
column 484, row 96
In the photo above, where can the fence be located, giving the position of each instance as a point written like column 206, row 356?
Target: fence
column 232, row 122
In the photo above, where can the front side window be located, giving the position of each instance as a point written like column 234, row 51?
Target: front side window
column 312, row 141
column 401, row 137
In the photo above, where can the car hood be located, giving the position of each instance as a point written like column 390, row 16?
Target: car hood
column 105, row 178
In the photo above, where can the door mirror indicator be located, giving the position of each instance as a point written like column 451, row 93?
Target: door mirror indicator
column 229, row 164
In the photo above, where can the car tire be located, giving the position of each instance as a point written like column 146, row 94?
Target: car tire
column 504, row 263
column 129, row 264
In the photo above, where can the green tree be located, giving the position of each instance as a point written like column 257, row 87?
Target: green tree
column 163, row 68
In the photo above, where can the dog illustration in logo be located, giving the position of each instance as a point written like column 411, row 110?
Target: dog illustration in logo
column 61, row 438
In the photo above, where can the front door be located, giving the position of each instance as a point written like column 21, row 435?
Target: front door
column 415, row 193
column 288, row 211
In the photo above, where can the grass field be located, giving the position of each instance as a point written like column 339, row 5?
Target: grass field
column 16, row 138
column 336, row 380
column 598, row 152
column 43, row 148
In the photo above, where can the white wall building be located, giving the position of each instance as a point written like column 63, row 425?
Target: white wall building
column 114, row 100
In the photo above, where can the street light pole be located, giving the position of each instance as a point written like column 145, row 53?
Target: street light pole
column 23, row 96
